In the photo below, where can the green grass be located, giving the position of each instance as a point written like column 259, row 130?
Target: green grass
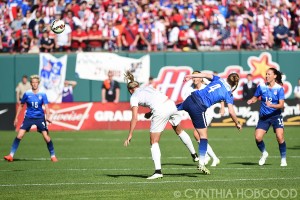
column 95, row 165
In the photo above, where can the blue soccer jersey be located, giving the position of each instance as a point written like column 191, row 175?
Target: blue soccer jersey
column 216, row 91
column 273, row 95
column 34, row 104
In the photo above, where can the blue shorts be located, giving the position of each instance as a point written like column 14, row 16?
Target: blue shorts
column 265, row 122
column 39, row 122
column 195, row 110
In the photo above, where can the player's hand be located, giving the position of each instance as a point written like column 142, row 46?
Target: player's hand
column 268, row 103
column 239, row 126
column 49, row 121
column 148, row 115
column 187, row 77
column 15, row 122
column 127, row 141
column 249, row 102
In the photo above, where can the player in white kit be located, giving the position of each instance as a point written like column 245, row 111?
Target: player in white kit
column 199, row 85
column 163, row 110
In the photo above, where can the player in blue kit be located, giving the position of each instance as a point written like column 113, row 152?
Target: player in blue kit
column 34, row 116
column 272, row 101
column 197, row 103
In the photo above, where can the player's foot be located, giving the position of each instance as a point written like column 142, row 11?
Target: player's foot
column 203, row 169
column 283, row 163
column 54, row 159
column 155, row 176
column 9, row 158
column 263, row 158
column 206, row 159
column 215, row 162
column 195, row 157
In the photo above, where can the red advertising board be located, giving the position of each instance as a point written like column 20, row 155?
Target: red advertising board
column 93, row 116
column 111, row 116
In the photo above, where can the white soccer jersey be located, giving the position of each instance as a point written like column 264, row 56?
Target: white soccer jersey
column 147, row 97
column 163, row 109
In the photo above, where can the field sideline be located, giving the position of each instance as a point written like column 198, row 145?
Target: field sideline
column 95, row 165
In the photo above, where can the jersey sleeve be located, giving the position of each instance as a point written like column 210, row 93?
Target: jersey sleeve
column 215, row 78
column 281, row 94
column 45, row 99
column 229, row 98
column 258, row 91
column 134, row 101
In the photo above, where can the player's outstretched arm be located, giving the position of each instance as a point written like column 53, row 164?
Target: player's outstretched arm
column 198, row 75
column 252, row 100
column 20, row 107
column 233, row 117
column 133, row 122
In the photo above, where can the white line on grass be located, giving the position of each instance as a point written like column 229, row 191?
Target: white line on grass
column 144, row 158
column 145, row 169
column 146, row 182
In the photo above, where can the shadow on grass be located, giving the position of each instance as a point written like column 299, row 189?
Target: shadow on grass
column 179, row 164
column 294, row 148
column 246, row 163
column 165, row 174
column 28, row 159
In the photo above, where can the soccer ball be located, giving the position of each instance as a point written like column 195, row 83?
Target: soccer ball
column 58, row 26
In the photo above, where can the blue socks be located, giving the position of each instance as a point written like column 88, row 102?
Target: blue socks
column 282, row 149
column 51, row 148
column 14, row 146
column 261, row 146
column 202, row 150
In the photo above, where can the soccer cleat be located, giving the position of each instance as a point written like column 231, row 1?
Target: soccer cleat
column 195, row 157
column 263, row 158
column 283, row 163
column 155, row 176
column 215, row 162
column 54, row 159
column 203, row 169
column 206, row 159
column 9, row 158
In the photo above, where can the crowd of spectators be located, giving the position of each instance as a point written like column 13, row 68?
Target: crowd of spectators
column 150, row 25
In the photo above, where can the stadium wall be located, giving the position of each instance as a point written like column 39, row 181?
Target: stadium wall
column 12, row 67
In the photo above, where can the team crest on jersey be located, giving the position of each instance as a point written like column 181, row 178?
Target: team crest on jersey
column 40, row 97
column 275, row 92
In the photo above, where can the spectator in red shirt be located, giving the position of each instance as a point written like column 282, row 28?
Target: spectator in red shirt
column 183, row 40
column 95, row 38
column 79, row 38
column 176, row 17
column 130, row 35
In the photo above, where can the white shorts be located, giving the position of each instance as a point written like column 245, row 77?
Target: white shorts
column 166, row 112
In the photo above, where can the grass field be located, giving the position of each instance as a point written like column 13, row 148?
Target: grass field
column 95, row 165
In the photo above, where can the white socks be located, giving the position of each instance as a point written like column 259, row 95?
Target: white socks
column 210, row 152
column 185, row 138
column 155, row 152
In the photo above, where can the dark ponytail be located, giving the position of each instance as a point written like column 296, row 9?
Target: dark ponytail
column 233, row 80
column 278, row 74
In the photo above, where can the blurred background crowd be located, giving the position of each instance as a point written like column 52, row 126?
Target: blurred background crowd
column 149, row 25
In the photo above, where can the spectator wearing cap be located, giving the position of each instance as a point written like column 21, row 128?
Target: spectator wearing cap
column 130, row 36
column 46, row 43
column 95, row 38
column 276, row 18
column 246, row 36
column 79, row 38
column 146, row 32
column 183, row 40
